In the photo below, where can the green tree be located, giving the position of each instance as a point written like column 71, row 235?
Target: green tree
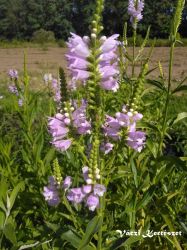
column 58, row 17
column 32, row 17
column 10, row 19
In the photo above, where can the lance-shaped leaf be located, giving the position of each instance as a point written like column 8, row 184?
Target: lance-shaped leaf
column 92, row 228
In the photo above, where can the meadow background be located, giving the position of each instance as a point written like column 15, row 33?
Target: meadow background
column 33, row 37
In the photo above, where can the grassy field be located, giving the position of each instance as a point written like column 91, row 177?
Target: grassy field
column 47, row 60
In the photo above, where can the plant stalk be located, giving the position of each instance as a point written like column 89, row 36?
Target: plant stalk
column 167, row 98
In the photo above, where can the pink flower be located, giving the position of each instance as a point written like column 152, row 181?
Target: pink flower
column 59, row 130
column 67, row 182
column 79, row 66
column 62, row 145
column 51, row 192
column 110, row 44
column 135, row 11
column 92, row 202
column 106, row 147
column 13, row 74
column 136, row 140
column 75, row 195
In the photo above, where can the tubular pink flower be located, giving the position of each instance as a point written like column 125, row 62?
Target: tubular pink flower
column 78, row 63
column 62, row 145
column 110, row 44
column 108, row 65
column 67, row 182
column 136, row 140
column 135, row 11
column 58, row 130
column 56, row 89
column 79, row 120
column 13, row 74
column 51, row 192
column 92, row 202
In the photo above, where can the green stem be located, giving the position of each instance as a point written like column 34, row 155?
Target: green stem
column 133, row 55
column 101, row 214
column 164, row 127
column 100, row 233
column 75, row 222
column 1, row 239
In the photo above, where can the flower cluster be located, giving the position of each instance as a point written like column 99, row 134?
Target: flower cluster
column 56, row 89
column 13, row 89
column 13, row 74
column 88, row 193
column 47, row 78
column 78, row 62
column 52, row 191
column 106, row 147
column 60, row 124
column 135, row 9
column 55, row 85
column 126, row 119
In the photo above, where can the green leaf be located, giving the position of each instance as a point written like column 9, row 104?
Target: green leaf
column 146, row 198
column 29, row 245
column 151, row 70
column 3, row 188
column 183, row 226
column 15, row 192
column 92, row 227
column 180, row 117
column 169, row 223
column 124, row 242
column 10, row 233
column 49, row 156
column 2, row 219
column 178, row 89
column 134, row 171
column 72, row 238
column 52, row 226
column 131, row 240
column 128, row 57
column 156, row 83
column 152, row 147
column 2, row 206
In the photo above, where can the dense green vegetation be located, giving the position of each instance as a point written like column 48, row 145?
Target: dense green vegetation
column 19, row 19
column 132, row 196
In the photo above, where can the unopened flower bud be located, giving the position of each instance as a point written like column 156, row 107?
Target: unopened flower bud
column 94, row 30
column 103, row 38
column 124, row 110
column 59, row 116
column 96, row 142
column 98, row 177
column 89, row 181
column 65, row 109
column 121, row 123
column 97, row 171
column 90, row 176
column 86, row 39
column 66, row 115
column 130, row 114
column 93, row 36
column 72, row 109
column 118, row 114
column 67, row 121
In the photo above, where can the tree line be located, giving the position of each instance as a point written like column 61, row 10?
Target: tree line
column 19, row 19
